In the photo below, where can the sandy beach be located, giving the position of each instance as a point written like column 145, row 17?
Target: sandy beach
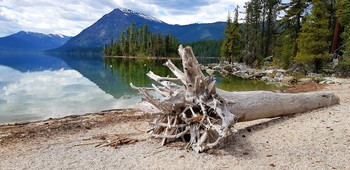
column 319, row 139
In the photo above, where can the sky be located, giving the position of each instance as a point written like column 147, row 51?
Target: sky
column 70, row 17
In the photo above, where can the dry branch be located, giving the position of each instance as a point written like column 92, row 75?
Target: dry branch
column 112, row 140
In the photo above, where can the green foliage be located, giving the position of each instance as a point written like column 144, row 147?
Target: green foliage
column 134, row 70
column 141, row 42
column 290, row 25
column 231, row 46
column 284, row 50
column 302, row 34
column 314, row 39
column 259, row 30
column 344, row 67
column 206, row 48
column 343, row 13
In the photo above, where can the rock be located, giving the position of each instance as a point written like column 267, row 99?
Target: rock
column 314, row 75
column 210, row 71
column 224, row 72
column 279, row 75
column 270, row 71
column 269, row 58
column 227, row 68
column 265, row 78
column 305, row 80
column 217, row 68
column 281, row 70
column 289, row 80
column 329, row 80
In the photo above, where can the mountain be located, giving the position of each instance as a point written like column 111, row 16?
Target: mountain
column 31, row 41
column 112, row 24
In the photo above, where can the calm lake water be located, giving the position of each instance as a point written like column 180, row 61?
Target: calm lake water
column 36, row 86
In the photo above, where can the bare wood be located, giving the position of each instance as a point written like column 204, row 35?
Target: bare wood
column 262, row 104
column 207, row 114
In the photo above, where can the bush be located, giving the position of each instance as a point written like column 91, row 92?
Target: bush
column 344, row 69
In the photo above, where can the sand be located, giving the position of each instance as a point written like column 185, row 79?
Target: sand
column 319, row 139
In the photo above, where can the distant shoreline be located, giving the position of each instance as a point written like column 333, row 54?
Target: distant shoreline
column 152, row 58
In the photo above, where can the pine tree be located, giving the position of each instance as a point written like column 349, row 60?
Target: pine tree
column 231, row 47
column 290, row 25
column 252, row 31
column 314, row 38
column 270, row 31
column 236, row 47
column 343, row 14
column 224, row 50
column 144, row 39
column 141, row 42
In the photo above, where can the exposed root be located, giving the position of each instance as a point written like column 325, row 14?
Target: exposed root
column 193, row 112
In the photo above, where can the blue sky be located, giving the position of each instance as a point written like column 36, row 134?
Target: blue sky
column 69, row 17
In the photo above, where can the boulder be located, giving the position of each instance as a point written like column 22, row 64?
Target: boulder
column 305, row 81
column 289, row 80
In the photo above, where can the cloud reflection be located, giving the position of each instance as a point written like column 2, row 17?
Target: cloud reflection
column 41, row 95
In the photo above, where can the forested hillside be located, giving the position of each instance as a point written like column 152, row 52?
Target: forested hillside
column 308, row 32
column 141, row 42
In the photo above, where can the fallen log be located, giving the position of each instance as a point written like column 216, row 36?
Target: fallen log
column 202, row 115
column 255, row 105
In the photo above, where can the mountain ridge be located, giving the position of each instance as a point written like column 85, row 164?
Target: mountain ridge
column 112, row 24
column 31, row 41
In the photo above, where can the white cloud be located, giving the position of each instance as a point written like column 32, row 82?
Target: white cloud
column 70, row 17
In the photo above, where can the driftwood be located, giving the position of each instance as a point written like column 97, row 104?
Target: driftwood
column 202, row 115
column 255, row 105
column 111, row 140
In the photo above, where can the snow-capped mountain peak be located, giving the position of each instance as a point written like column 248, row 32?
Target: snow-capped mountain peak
column 32, row 41
column 145, row 16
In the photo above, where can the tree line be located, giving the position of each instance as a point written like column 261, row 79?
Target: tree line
column 142, row 42
column 206, row 48
column 300, row 31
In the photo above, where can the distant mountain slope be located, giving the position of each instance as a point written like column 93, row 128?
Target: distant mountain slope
column 112, row 24
column 197, row 32
column 31, row 41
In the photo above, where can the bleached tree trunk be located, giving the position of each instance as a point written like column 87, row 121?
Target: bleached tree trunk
column 254, row 105
column 198, row 111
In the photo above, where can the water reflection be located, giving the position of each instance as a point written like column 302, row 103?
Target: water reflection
column 239, row 84
column 57, row 86
column 36, row 86
column 135, row 70
column 31, row 61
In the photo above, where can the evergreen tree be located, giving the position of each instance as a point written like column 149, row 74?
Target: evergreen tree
column 224, row 50
column 144, row 39
column 271, row 26
column 252, row 31
column 290, row 25
column 236, row 47
column 206, row 48
column 314, row 39
column 141, row 42
column 231, row 47
column 343, row 14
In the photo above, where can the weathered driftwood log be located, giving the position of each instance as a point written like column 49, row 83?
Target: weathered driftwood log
column 202, row 116
column 255, row 105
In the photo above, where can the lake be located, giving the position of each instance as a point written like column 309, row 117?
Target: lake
column 37, row 86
